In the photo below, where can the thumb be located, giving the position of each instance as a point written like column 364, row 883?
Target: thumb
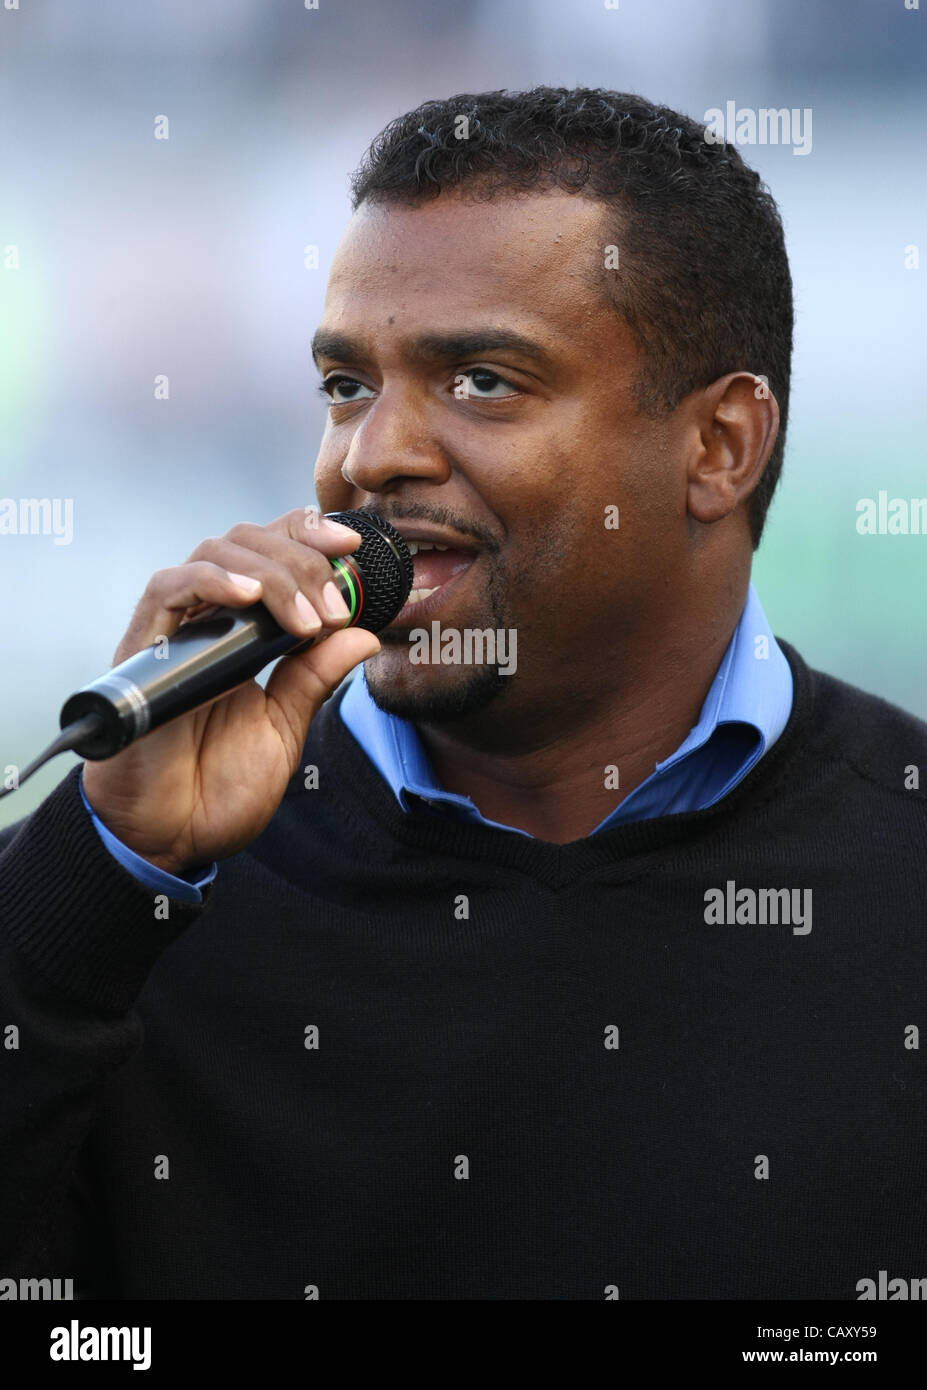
column 301, row 684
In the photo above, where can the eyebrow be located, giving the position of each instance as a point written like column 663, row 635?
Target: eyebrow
column 434, row 347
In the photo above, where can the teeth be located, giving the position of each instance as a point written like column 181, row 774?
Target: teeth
column 416, row 546
column 416, row 595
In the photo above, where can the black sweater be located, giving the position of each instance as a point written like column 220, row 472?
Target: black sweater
column 541, row 1072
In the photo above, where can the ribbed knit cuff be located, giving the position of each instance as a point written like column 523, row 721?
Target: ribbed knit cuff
column 75, row 914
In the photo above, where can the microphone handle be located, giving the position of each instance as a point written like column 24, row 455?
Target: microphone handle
column 200, row 661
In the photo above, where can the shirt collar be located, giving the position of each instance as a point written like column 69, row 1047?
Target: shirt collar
column 744, row 712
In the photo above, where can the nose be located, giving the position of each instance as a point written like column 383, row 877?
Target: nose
column 393, row 443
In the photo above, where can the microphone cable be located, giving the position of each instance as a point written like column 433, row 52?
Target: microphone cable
column 68, row 739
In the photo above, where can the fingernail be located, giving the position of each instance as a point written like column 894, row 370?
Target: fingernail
column 344, row 532
column 308, row 616
column 335, row 606
column 243, row 582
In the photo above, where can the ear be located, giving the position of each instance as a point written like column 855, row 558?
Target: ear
column 732, row 427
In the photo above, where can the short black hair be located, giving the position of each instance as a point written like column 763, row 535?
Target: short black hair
column 709, row 290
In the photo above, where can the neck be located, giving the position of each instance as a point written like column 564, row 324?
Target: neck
column 555, row 778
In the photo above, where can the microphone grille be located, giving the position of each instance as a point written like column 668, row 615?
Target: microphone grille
column 384, row 565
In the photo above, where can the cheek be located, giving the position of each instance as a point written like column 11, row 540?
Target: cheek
column 330, row 486
column 634, row 491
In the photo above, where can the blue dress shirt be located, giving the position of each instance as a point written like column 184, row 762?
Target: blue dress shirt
column 744, row 712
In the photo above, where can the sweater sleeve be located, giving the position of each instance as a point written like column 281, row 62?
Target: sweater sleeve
column 79, row 936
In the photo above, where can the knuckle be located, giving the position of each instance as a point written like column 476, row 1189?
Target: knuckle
column 291, row 524
column 206, row 547
column 276, row 580
column 314, row 569
column 240, row 533
column 207, row 571
column 158, row 584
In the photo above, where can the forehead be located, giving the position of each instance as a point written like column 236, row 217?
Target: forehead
column 540, row 255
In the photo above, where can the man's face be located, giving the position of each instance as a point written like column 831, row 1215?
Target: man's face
column 510, row 451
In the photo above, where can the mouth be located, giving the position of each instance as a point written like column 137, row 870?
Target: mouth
column 437, row 567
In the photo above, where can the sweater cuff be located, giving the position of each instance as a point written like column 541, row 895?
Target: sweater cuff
column 83, row 921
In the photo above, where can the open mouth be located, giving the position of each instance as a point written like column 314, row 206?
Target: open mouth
column 435, row 568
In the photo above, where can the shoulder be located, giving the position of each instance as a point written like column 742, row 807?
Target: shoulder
column 882, row 742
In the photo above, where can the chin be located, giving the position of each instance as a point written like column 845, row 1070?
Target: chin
column 432, row 695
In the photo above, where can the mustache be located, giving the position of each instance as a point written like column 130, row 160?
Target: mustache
column 438, row 516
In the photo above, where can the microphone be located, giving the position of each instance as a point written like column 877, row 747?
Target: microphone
column 212, row 655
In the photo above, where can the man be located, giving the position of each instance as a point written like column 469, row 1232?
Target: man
column 597, row 976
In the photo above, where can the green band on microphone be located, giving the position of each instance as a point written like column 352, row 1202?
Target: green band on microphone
column 348, row 576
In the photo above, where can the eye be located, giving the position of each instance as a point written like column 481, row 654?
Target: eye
column 340, row 390
column 485, row 385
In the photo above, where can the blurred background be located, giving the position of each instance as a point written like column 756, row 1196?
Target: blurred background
column 124, row 257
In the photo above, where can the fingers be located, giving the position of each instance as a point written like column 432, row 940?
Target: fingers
column 285, row 564
column 301, row 684
column 291, row 560
column 292, row 578
column 171, row 592
column 308, row 526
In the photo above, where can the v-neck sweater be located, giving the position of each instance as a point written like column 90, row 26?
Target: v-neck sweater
column 392, row 1056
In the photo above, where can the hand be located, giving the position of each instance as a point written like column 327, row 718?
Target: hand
column 206, row 785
